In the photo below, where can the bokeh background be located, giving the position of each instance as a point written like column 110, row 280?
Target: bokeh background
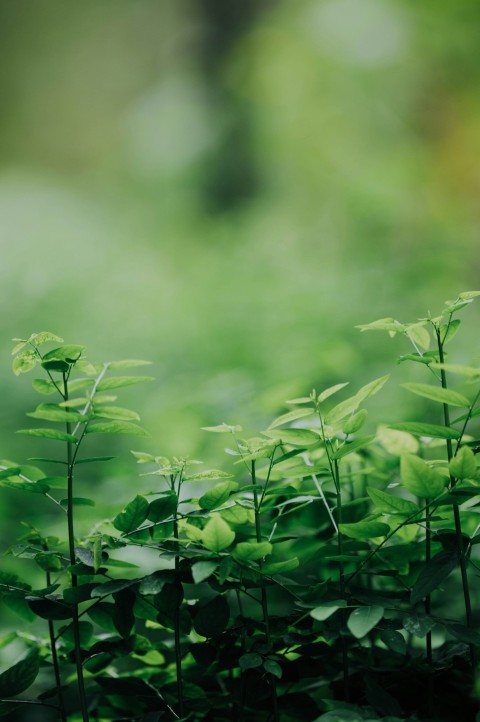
column 226, row 188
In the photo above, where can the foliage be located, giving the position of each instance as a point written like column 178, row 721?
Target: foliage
column 312, row 576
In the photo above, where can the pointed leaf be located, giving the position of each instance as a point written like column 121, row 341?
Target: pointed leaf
column 132, row 516
column 18, row 678
column 420, row 478
column 437, row 393
column 116, row 382
column 364, row 529
column 290, row 416
column 203, row 570
column 330, row 391
column 49, row 434
column 252, row 551
column 127, row 364
column 429, row 430
column 116, row 427
column 217, row 534
column 363, row 619
column 463, row 465
column 390, row 504
column 216, row 496
column 433, row 574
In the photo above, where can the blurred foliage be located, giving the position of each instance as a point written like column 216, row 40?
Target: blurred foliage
column 227, row 188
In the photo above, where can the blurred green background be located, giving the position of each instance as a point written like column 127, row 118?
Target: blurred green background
column 226, row 187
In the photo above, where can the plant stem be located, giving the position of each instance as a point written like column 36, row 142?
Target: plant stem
column 53, row 650
column 341, row 572
column 266, row 622
column 456, row 513
column 71, row 548
column 176, row 616
column 428, row 609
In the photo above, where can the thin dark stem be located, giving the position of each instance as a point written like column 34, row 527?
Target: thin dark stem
column 176, row 619
column 428, row 609
column 341, row 572
column 263, row 591
column 456, row 513
column 71, row 548
column 53, row 650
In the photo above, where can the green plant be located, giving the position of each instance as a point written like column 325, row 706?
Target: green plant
column 318, row 573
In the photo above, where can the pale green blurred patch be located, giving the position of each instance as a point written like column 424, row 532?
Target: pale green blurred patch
column 226, row 189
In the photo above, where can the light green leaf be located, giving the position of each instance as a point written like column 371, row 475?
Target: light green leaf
column 223, row 429
column 348, row 448
column 54, row 412
column 428, row 430
column 325, row 610
column 364, row 529
column 24, row 363
column 371, row 388
column 217, row 495
column 419, row 478
column 363, row 619
column 437, row 393
column 127, row 364
column 116, row 427
column 463, row 465
column 449, row 331
column 44, row 387
column 468, row 295
column 117, row 382
column 142, row 457
column 397, row 442
column 132, row 516
column 419, row 335
column 49, row 434
column 217, row 534
column 330, row 391
column 390, row 504
column 383, row 324
column 252, row 551
column 342, row 410
column 468, row 371
column 294, row 437
column 68, row 353
column 115, row 412
column 209, row 475
column 290, row 416
column 355, row 422
column 202, row 570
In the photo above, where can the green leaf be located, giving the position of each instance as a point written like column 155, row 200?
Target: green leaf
column 91, row 459
column 363, row 619
column 355, row 422
column 127, row 364
column 209, row 475
column 223, row 429
column 217, row 534
column 468, row 295
column 325, row 610
column 18, row 678
column 44, row 387
column 449, row 331
column 116, row 382
column 142, row 457
column 463, row 465
column 211, row 619
column 24, row 363
column 418, row 335
column 420, row 478
column 216, row 496
column 429, row 430
column 364, row 529
column 70, row 353
column 49, row 434
column 116, row 427
column 330, row 391
column 342, row 410
column 437, row 393
column 132, row 516
column 252, row 551
column 273, row 667
column 433, row 574
column 383, row 324
column 53, row 412
column 294, row 437
column 394, row 640
column 115, row 412
column 35, row 487
column 113, row 587
column 417, row 624
column 203, row 570
column 290, row 416
column 49, row 561
column 468, row 371
column 390, row 504
column 250, row 660
column 371, row 388
column 163, row 507
column 288, row 565
column 77, row 501
column 352, row 446
column 397, row 442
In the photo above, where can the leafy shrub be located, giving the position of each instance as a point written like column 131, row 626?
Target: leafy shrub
column 316, row 579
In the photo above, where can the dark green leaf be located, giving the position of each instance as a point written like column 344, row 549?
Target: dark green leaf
column 163, row 507
column 18, row 678
column 250, row 660
column 211, row 618
column 363, row 619
column 433, row 574
column 133, row 515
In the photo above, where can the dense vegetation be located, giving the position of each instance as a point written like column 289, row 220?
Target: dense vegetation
column 328, row 573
